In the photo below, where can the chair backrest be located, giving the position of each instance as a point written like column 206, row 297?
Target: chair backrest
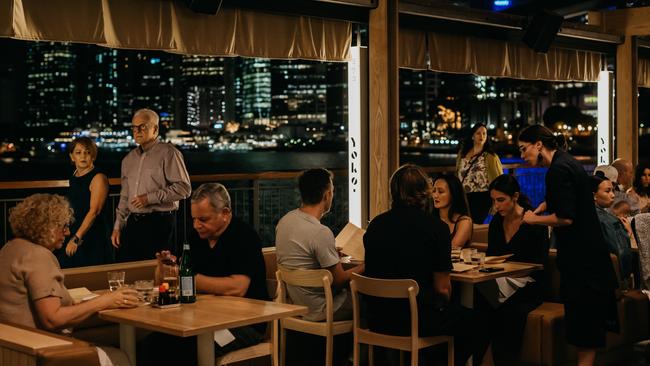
column 386, row 288
column 94, row 277
column 320, row 278
column 641, row 226
column 480, row 233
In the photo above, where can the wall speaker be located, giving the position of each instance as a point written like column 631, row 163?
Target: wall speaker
column 541, row 30
column 204, row 6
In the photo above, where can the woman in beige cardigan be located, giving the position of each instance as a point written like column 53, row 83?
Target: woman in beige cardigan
column 476, row 166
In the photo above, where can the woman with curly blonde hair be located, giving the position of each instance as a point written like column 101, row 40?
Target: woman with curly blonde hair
column 32, row 291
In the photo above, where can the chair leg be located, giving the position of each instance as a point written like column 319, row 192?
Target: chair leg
column 371, row 355
column 329, row 350
column 401, row 358
column 414, row 357
column 355, row 352
column 450, row 352
column 283, row 346
column 274, row 343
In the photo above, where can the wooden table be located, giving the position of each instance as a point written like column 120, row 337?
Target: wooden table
column 201, row 319
column 469, row 278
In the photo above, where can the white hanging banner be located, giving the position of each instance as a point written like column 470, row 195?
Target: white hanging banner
column 605, row 125
column 358, row 136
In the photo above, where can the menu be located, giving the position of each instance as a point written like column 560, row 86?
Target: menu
column 350, row 240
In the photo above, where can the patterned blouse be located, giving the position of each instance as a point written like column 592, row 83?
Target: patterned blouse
column 473, row 174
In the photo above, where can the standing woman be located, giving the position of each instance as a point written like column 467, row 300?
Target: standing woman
column 90, row 243
column 450, row 205
column 477, row 165
column 587, row 276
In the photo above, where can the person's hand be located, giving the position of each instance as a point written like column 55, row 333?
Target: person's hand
column 626, row 223
column 71, row 248
column 541, row 208
column 115, row 239
column 165, row 256
column 140, row 201
column 123, row 297
column 529, row 217
column 339, row 250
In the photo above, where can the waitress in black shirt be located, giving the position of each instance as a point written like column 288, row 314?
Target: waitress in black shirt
column 587, row 276
column 526, row 243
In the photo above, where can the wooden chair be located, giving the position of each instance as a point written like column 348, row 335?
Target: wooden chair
column 321, row 278
column 267, row 348
column 393, row 289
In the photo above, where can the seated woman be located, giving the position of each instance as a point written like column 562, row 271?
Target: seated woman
column 32, row 292
column 616, row 230
column 506, row 305
column 450, row 205
column 408, row 242
column 639, row 194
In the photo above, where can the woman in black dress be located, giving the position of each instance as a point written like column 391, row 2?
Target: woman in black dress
column 587, row 276
column 89, row 244
column 507, row 234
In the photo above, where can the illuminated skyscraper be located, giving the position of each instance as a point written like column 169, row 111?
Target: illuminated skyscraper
column 100, row 93
column 256, row 91
column 205, row 91
column 51, row 99
column 299, row 92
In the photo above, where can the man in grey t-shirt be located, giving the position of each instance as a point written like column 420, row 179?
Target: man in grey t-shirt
column 302, row 242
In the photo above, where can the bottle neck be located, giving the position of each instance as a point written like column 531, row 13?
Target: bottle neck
column 186, row 247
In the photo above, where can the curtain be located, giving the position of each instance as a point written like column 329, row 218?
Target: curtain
column 489, row 57
column 171, row 26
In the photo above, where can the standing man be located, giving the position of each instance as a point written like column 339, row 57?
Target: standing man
column 154, row 179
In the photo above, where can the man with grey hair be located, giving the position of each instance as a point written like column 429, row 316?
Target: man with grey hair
column 227, row 260
column 154, row 179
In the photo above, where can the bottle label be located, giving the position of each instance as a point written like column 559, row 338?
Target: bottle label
column 187, row 286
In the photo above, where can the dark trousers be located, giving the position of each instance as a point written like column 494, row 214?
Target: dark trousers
column 146, row 234
column 479, row 206
column 507, row 322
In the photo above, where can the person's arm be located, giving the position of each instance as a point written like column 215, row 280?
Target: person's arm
column 628, row 228
column 494, row 168
column 442, row 285
column 98, row 194
column 233, row 285
column 54, row 316
column 178, row 181
column 463, row 233
column 122, row 211
column 342, row 278
column 549, row 220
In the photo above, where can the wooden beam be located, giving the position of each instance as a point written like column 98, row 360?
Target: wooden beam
column 383, row 102
column 627, row 118
column 628, row 22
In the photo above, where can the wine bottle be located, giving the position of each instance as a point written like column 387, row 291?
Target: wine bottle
column 186, row 274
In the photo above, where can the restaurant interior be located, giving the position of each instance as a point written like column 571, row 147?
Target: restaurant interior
column 536, row 40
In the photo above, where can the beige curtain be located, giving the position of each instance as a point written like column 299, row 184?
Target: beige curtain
column 489, row 57
column 643, row 72
column 171, row 26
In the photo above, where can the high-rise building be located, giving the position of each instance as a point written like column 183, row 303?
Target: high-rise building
column 205, row 91
column 256, row 91
column 51, row 90
column 148, row 80
column 100, row 93
column 337, row 96
column 299, row 92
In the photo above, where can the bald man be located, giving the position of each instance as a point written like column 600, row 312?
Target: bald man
column 154, row 179
column 625, row 173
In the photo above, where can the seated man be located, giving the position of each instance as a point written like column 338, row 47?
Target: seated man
column 302, row 242
column 227, row 260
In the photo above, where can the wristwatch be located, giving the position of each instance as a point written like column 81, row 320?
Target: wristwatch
column 75, row 239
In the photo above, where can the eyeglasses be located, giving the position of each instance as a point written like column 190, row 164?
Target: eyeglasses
column 141, row 128
column 66, row 228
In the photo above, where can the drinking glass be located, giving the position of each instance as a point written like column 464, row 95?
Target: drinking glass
column 170, row 276
column 115, row 280
column 478, row 259
column 466, row 254
column 145, row 290
column 455, row 254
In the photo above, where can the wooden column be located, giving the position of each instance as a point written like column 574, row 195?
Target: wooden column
column 383, row 102
column 627, row 119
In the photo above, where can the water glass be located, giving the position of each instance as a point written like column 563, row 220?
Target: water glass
column 145, row 290
column 115, row 280
column 455, row 254
column 478, row 259
column 170, row 276
column 466, row 254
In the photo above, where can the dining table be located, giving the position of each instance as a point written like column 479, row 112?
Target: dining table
column 202, row 318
